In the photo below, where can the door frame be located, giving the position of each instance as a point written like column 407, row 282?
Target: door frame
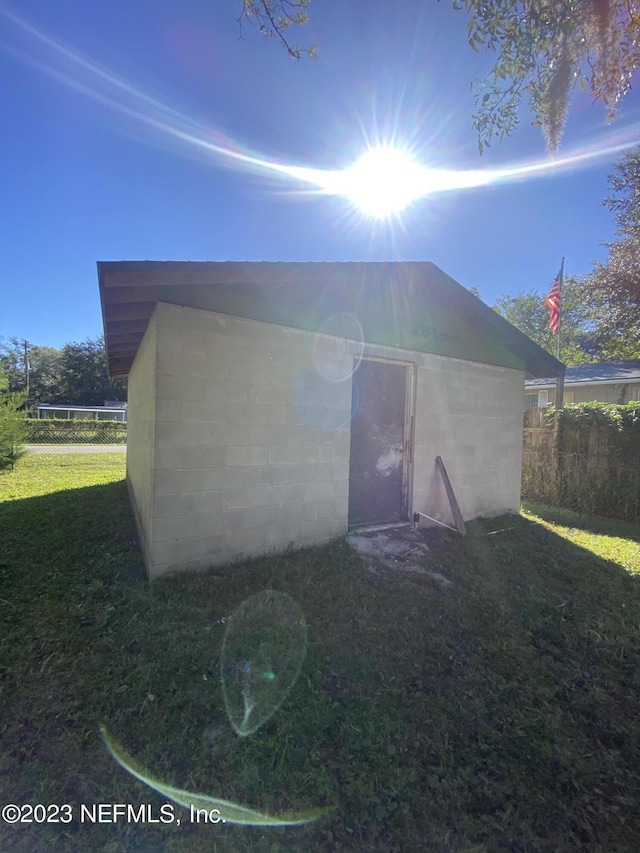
column 409, row 426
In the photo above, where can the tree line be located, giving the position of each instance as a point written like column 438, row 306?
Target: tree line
column 75, row 375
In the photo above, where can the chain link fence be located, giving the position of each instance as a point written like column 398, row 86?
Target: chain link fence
column 56, row 438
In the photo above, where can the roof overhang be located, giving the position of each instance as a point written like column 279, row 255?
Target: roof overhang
column 413, row 305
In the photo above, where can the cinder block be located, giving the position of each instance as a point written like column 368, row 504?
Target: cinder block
column 339, row 471
column 269, row 475
column 202, row 456
column 341, row 489
column 273, row 393
column 171, row 362
column 264, row 516
column 302, row 454
column 240, row 456
column 272, row 435
column 319, row 491
column 327, row 509
column 235, row 520
column 167, row 434
column 207, row 411
column 167, row 411
column 305, row 473
column 187, row 503
column 322, row 528
column 265, row 495
column 301, row 512
column 178, row 387
column 277, row 414
column 189, row 549
column 234, row 499
column 213, row 545
column 214, row 479
column 292, row 493
column 280, row 455
column 174, row 482
column 171, row 339
column 167, row 457
column 177, row 527
column 227, row 390
column 175, row 552
column 238, row 541
column 342, row 510
column 196, row 341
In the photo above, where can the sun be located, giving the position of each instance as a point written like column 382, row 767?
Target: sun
column 383, row 181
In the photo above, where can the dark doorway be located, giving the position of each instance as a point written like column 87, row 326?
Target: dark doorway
column 377, row 443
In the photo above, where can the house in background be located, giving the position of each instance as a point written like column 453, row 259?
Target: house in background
column 277, row 405
column 111, row 411
column 605, row 382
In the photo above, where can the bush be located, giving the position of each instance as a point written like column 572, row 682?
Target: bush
column 13, row 429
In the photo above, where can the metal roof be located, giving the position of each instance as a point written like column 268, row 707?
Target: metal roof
column 603, row 372
column 412, row 305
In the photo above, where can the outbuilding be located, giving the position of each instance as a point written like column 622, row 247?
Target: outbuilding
column 277, row 405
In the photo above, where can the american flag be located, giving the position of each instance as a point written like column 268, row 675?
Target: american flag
column 553, row 301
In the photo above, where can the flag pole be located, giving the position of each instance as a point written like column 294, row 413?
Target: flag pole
column 561, row 281
column 560, row 379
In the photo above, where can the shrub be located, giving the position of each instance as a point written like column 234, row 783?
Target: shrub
column 13, row 429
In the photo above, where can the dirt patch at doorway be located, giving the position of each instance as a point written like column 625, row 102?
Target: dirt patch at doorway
column 398, row 548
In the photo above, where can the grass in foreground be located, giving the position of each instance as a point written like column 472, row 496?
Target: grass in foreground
column 501, row 713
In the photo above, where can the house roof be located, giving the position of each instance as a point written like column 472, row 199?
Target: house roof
column 413, row 305
column 602, row 373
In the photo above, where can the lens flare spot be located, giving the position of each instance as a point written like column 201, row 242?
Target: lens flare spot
column 266, row 635
column 338, row 347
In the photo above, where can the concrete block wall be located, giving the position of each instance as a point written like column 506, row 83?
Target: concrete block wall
column 251, row 443
column 471, row 415
column 141, row 434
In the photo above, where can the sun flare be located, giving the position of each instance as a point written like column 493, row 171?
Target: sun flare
column 383, row 182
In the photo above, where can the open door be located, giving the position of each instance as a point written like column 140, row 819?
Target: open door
column 377, row 443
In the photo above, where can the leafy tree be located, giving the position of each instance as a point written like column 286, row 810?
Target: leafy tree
column 529, row 313
column 12, row 364
column 44, row 373
column 614, row 288
column 76, row 375
column 85, row 378
column 274, row 17
column 13, row 429
column 544, row 48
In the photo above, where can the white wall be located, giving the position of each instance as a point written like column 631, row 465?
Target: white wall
column 251, row 442
column 141, row 433
column 471, row 415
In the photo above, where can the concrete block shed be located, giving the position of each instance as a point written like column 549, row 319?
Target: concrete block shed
column 277, row 405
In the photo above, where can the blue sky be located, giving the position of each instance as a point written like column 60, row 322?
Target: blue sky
column 132, row 131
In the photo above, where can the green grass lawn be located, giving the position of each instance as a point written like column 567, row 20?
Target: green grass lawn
column 501, row 713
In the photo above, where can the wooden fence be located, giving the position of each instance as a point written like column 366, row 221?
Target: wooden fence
column 592, row 465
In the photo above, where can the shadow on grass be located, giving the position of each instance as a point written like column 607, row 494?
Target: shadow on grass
column 501, row 711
